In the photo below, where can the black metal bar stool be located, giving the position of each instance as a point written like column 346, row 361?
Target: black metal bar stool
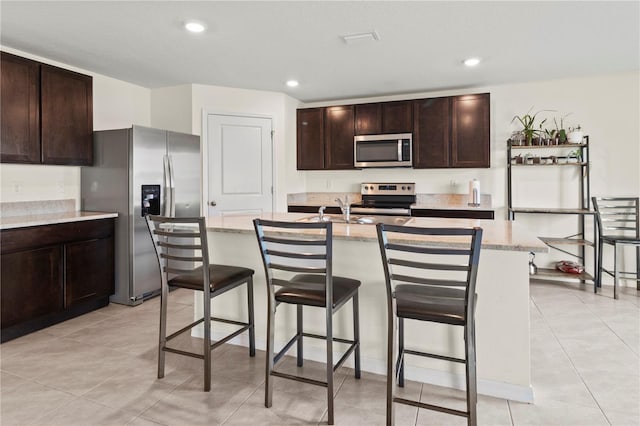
column 618, row 225
column 432, row 283
column 310, row 255
column 182, row 250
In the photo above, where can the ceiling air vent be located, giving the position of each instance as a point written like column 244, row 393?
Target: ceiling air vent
column 360, row 37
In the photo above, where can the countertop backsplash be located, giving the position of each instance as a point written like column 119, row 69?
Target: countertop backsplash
column 23, row 208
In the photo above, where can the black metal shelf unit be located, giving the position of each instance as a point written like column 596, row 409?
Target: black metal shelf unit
column 581, row 211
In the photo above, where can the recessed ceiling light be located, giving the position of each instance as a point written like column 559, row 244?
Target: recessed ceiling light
column 471, row 62
column 292, row 83
column 194, row 27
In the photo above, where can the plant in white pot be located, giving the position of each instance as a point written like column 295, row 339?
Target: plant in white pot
column 575, row 135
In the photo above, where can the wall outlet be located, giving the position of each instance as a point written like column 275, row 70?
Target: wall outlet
column 17, row 187
column 60, row 187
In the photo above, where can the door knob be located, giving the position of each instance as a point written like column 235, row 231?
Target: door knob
column 212, row 203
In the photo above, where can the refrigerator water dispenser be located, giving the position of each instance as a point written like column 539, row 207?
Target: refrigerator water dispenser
column 150, row 200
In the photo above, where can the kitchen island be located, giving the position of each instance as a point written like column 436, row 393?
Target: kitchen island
column 502, row 315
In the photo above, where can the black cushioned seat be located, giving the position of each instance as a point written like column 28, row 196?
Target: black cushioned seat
column 312, row 292
column 220, row 276
column 444, row 305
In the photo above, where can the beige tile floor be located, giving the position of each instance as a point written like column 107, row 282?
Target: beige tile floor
column 99, row 369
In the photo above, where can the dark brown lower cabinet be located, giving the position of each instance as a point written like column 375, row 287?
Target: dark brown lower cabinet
column 88, row 270
column 32, row 284
column 51, row 273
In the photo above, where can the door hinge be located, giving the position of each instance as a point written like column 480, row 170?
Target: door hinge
column 272, row 190
column 273, row 132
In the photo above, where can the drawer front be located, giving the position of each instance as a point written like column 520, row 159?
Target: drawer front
column 12, row 240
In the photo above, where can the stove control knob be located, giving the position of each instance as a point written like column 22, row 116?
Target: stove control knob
column 409, row 187
column 404, row 187
column 366, row 187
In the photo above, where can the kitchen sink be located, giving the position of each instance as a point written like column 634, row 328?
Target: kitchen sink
column 361, row 220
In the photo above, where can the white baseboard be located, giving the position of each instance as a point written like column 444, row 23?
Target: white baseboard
column 424, row 375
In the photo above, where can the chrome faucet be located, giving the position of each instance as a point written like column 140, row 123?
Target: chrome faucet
column 345, row 207
column 321, row 213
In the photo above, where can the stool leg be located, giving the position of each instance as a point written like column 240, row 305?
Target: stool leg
column 637, row 267
column 299, row 334
column 268, row 382
column 163, row 330
column 401, row 352
column 391, row 362
column 329, row 312
column 616, row 270
column 356, row 333
column 599, row 271
column 207, row 341
column 252, row 327
column 472, row 393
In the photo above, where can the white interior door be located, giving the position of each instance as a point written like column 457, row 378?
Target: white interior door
column 240, row 165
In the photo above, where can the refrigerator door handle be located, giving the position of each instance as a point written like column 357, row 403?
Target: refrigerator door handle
column 172, row 188
column 168, row 195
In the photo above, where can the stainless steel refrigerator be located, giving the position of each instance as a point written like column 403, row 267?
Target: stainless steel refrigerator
column 136, row 171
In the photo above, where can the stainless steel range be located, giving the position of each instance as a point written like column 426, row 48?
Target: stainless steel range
column 389, row 199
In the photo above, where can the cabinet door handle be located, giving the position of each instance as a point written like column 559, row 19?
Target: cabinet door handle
column 213, row 204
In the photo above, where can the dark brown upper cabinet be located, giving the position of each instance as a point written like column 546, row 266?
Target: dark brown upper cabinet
column 384, row 117
column 431, row 141
column 448, row 132
column 452, row 132
column 339, row 132
column 310, row 139
column 368, row 119
column 67, row 117
column 470, row 131
column 47, row 114
column 397, row 117
column 20, row 109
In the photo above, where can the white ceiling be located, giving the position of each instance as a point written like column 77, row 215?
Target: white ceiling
column 260, row 45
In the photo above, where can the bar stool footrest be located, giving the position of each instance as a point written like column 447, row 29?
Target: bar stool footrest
column 436, row 356
column 430, row 407
column 299, row 378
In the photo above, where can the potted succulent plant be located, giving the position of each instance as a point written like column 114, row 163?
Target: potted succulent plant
column 561, row 132
column 574, row 156
column 551, row 135
column 575, row 135
column 528, row 123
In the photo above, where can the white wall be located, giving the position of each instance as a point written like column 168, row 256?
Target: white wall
column 116, row 104
column 171, row 108
column 215, row 99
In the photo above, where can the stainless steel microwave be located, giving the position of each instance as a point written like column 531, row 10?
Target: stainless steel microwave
column 383, row 150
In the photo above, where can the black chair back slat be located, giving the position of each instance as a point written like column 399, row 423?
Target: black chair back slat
column 426, row 250
column 300, row 269
column 427, row 281
column 294, row 255
column 427, row 265
column 293, row 242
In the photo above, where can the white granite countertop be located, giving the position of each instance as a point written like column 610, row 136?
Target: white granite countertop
column 22, row 214
column 24, row 221
column 497, row 235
